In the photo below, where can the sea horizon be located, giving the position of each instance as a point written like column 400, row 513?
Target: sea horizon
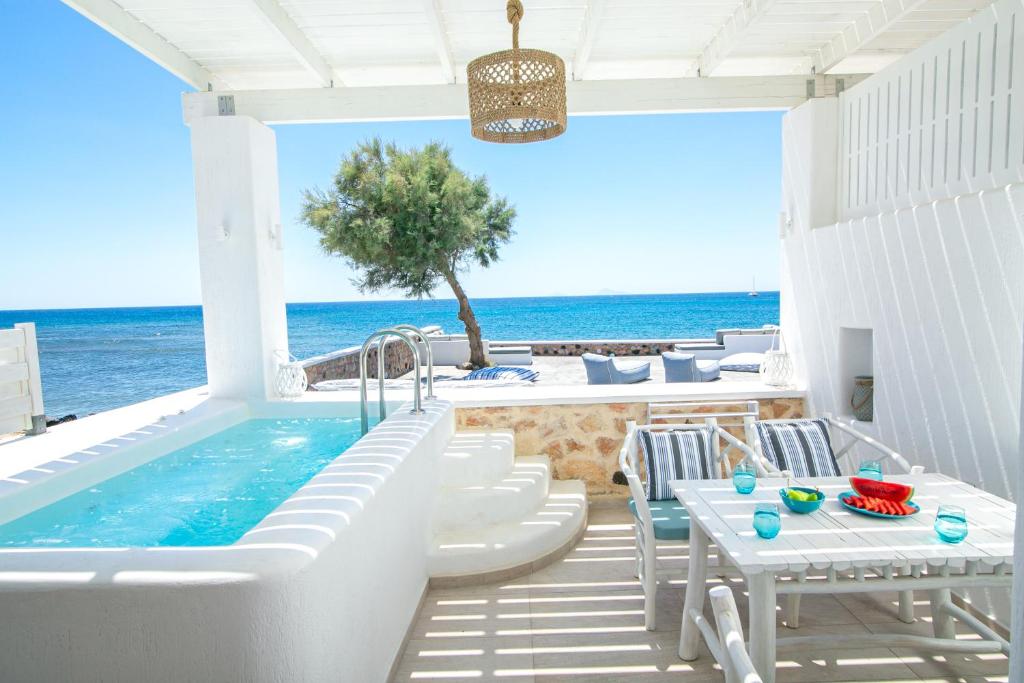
column 383, row 301
column 95, row 359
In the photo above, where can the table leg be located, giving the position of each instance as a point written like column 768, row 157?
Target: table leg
column 942, row 623
column 907, row 602
column 762, row 624
column 793, row 610
column 696, row 587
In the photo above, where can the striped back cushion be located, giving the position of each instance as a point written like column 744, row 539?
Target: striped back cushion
column 683, row 454
column 802, row 446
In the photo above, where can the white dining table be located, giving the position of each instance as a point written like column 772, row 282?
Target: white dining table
column 834, row 550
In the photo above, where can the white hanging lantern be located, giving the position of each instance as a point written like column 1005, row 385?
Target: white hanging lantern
column 777, row 366
column 291, row 380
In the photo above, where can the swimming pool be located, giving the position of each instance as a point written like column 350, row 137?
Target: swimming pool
column 208, row 493
column 229, row 541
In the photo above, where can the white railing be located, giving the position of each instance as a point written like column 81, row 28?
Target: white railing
column 21, row 392
column 943, row 121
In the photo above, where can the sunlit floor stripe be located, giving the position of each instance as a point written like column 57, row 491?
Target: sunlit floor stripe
column 592, row 670
column 447, row 674
column 569, row 630
column 639, row 647
column 565, row 615
column 572, row 598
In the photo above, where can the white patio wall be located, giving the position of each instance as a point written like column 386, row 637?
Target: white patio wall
column 914, row 263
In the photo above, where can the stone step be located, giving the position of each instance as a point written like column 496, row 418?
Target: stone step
column 474, row 458
column 514, row 497
column 503, row 551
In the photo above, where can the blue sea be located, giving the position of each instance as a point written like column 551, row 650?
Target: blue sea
column 102, row 358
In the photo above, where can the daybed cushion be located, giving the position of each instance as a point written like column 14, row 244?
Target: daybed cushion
column 742, row 362
column 679, row 454
column 671, row 522
column 801, row 446
column 708, row 370
column 504, row 373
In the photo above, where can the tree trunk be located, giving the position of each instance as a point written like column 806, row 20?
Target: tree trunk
column 476, row 344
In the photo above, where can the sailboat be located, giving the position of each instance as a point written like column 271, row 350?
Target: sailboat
column 753, row 287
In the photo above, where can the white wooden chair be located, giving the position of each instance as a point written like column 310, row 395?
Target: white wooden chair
column 731, row 652
column 854, row 438
column 667, row 520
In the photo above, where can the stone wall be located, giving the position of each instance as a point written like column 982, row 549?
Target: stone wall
column 584, row 440
column 344, row 364
column 618, row 347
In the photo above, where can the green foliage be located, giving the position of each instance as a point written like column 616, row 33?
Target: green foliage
column 406, row 219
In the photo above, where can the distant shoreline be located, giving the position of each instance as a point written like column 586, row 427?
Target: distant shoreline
column 764, row 292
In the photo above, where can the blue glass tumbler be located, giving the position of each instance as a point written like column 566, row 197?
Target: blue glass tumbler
column 744, row 478
column 870, row 469
column 951, row 523
column 767, row 522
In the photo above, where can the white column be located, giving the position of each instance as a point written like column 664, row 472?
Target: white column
column 810, row 173
column 240, row 258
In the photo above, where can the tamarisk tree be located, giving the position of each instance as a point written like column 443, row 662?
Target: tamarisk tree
column 407, row 219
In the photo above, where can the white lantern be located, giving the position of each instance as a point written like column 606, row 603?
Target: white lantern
column 777, row 366
column 291, row 380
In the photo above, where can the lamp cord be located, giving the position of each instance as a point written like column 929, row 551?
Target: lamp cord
column 514, row 11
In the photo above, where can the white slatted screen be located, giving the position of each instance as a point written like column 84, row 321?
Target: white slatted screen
column 21, row 395
column 945, row 121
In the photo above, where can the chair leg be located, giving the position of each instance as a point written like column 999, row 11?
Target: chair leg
column 649, row 580
column 650, row 600
column 793, row 610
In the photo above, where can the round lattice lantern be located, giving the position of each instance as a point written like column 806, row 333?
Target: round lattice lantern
column 291, row 380
column 516, row 95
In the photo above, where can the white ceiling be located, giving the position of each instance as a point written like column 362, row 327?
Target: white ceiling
column 277, row 44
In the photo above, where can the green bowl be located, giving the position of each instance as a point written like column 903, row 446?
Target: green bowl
column 802, row 507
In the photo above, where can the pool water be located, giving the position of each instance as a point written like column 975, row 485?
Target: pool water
column 206, row 494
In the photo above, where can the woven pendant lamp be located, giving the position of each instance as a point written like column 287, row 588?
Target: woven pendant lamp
column 516, row 95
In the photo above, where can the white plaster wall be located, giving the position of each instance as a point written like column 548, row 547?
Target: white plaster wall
column 324, row 589
column 941, row 286
column 240, row 258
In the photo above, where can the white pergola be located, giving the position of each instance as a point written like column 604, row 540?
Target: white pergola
column 343, row 60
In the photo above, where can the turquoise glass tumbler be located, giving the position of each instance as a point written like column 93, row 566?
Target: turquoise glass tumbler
column 767, row 522
column 870, row 469
column 744, row 478
column 951, row 523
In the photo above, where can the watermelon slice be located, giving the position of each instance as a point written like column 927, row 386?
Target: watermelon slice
column 885, row 490
column 879, row 505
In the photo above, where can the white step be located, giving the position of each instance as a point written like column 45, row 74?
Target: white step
column 549, row 529
column 477, row 458
column 514, row 497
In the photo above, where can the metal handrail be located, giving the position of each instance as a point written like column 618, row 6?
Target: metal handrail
column 430, row 356
column 364, row 419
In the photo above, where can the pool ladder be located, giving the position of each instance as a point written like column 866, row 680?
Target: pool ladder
column 406, row 333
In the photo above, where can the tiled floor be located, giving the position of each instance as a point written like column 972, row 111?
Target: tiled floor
column 581, row 619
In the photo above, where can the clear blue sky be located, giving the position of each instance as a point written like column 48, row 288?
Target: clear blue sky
column 97, row 203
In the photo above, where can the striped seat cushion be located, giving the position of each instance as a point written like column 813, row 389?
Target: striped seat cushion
column 504, row 373
column 682, row 454
column 802, row 446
